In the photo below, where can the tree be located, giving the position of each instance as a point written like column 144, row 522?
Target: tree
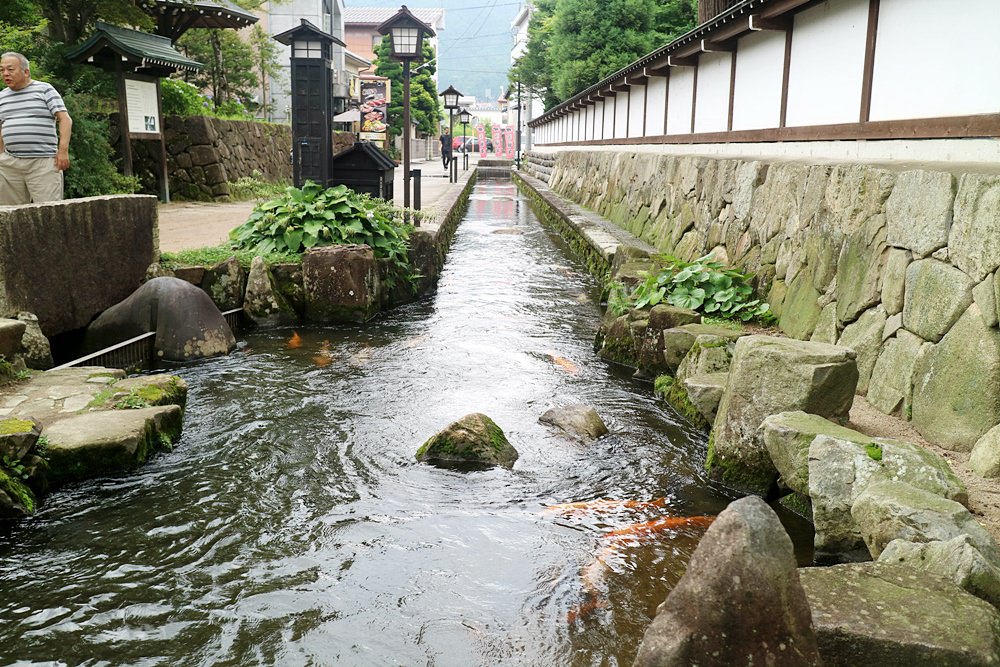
column 425, row 105
column 229, row 63
column 264, row 53
column 573, row 44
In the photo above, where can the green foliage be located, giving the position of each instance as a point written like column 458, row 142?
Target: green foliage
column 703, row 285
column 229, row 68
column 15, row 466
column 874, row 451
column 212, row 255
column 180, row 98
column 425, row 105
column 254, row 186
column 313, row 216
column 573, row 44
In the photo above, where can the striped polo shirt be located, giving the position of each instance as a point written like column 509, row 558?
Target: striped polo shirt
column 27, row 120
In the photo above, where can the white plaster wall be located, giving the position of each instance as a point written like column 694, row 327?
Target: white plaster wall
column 607, row 123
column 760, row 65
column 827, row 65
column 637, row 108
column 621, row 114
column 656, row 91
column 679, row 104
column 712, row 110
column 932, row 63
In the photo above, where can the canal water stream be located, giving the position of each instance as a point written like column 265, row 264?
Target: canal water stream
column 291, row 525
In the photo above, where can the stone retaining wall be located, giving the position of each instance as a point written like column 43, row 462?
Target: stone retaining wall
column 205, row 154
column 68, row 261
column 900, row 266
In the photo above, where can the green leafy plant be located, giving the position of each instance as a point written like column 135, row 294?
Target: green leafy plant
column 704, row 285
column 874, row 451
column 313, row 216
column 15, row 466
column 254, row 186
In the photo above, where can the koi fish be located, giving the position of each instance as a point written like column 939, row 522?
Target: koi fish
column 606, row 505
column 563, row 363
column 324, row 357
column 593, row 575
column 295, row 341
column 650, row 528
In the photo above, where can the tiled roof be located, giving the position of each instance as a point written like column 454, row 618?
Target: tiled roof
column 379, row 15
column 143, row 47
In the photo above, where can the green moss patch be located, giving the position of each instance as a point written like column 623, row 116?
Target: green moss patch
column 13, row 425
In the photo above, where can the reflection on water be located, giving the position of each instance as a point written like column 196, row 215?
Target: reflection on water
column 292, row 525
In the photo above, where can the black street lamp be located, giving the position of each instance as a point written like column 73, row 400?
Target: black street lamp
column 407, row 34
column 464, row 116
column 451, row 103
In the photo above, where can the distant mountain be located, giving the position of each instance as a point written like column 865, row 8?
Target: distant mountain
column 475, row 44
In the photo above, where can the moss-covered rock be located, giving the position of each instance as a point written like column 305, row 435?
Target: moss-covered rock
column 674, row 393
column 473, row 439
column 16, row 499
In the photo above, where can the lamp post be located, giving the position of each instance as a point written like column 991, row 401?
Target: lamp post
column 451, row 96
column 464, row 116
column 407, row 34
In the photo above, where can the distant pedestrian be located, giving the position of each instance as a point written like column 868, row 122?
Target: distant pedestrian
column 446, row 147
column 32, row 156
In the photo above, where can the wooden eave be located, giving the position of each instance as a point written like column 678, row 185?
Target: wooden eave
column 716, row 34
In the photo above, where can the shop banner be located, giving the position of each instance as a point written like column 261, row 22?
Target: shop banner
column 481, row 134
column 374, row 109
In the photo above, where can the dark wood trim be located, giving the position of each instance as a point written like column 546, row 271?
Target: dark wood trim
column 628, row 112
column 621, row 87
column 694, row 99
column 759, row 23
column 659, row 70
column 604, row 117
column 666, row 104
column 688, row 61
column 869, row 72
column 637, row 79
column 786, row 71
column 708, row 46
column 732, row 90
column 593, row 129
column 950, row 127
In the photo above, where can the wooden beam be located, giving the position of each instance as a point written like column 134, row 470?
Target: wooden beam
column 657, row 69
column 675, row 61
column 718, row 47
column 637, row 79
column 780, row 24
column 608, row 92
column 621, row 87
column 869, row 70
column 785, row 77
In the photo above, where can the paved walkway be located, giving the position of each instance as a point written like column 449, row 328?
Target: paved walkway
column 186, row 225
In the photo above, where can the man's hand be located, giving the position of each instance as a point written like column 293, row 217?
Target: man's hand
column 62, row 159
column 65, row 129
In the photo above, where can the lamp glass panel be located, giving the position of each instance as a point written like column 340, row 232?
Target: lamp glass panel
column 310, row 48
column 405, row 40
column 450, row 100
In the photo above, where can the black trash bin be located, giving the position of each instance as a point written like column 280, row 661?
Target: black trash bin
column 364, row 168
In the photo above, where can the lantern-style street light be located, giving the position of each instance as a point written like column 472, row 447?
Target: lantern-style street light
column 451, row 96
column 464, row 116
column 407, row 34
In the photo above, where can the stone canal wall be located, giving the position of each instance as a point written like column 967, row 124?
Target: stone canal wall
column 901, row 266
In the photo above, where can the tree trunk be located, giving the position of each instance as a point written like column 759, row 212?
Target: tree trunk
column 219, row 92
column 709, row 9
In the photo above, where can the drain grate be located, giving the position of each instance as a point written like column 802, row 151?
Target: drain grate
column 139, row 353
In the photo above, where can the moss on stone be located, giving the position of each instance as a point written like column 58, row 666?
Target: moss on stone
column 17, row 491
column 674, row 393
column 14, row 425
column 731, row 473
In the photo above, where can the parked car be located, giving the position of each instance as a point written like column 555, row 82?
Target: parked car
column 471, row 145
column 457, row 141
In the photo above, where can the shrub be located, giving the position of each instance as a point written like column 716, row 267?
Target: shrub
column 180, row 98
column 703, row 285
column 313, row 216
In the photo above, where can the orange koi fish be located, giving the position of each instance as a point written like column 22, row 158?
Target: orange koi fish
column 606, row 505
column 651, row 528
column 563, row 363
column 593, row 575
column 295, row 341
column 324, row 356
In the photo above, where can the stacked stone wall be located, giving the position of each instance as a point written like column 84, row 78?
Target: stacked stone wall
column 205, row 154
column 901, row 266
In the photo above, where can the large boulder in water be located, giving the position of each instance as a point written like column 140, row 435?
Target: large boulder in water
column 579, row 422
column 187, row 323
column 739, row 601
column 341, row 283
column 474, row 439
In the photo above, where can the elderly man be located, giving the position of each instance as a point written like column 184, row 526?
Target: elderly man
column 32, row 157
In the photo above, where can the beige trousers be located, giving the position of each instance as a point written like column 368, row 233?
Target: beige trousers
column 26, row 180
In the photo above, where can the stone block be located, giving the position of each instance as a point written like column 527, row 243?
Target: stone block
column 341, row 284
column 919, row 211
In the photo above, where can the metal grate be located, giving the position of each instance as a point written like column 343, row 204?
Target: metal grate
column 138, row 353
column 129, row 355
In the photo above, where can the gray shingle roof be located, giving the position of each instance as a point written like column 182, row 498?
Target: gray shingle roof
column 379, row 15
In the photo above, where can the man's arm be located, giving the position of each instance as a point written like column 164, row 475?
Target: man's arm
column 65, row 130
